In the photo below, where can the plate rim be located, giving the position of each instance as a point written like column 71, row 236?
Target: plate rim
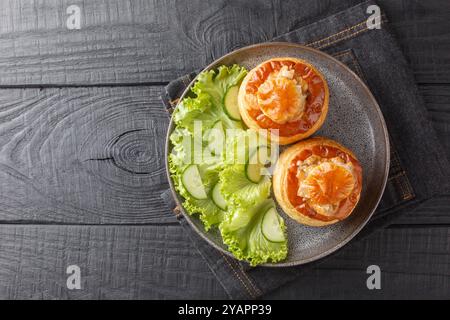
column 344, row 241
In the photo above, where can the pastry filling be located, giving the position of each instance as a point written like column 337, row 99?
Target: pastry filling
column 325, row 182
column 282, row 96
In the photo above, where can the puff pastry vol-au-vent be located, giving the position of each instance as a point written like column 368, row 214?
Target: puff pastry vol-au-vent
column 317, row 181
column 287, row 94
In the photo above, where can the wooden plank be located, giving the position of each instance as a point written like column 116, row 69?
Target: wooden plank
column 156, row 262
column 96, row 155
column 414, row 263
column 437, row 101
column 119, row 41
column 83, row 155
column 423, row 31
column 115, row 262
column 434, row 211
column 156, row 41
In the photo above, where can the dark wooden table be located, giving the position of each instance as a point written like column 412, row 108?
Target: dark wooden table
column 81, row 161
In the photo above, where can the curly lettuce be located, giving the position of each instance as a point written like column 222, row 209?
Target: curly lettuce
column 240, row 224
column 216, row 83
column 241, row 231
column 206, row 107
column 209, row 213
column 238, row 190
column 207, row 104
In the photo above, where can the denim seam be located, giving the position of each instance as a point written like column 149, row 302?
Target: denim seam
column 357, row 65
column 352, row 56
column 236, row 274
column 350, row 36
column 397, row 175
column 250, row 281
column 178, row 212
column 328, row 40
column 341, row 53
column 336, row 34
column 405, row 187
column 400, row 177
column 174, row 102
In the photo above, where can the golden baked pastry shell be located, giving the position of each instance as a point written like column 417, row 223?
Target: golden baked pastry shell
column 253, row 124
column 281, row 174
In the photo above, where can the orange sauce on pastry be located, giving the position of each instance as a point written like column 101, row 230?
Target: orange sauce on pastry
column 345, row 205
column 314, row 100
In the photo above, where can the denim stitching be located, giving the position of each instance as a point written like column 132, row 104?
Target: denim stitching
column 250, row 281
column 341, row 53
column 350, row 36
column 237, row 275
column 170, row 110
column 405, row 186
column 336, row 34
column 345, row 30
column 342, row 39
column 397, row 175
column 174, row 102
column 357, row 66
column 400, row 176
column 355, row 63
column 327, row 41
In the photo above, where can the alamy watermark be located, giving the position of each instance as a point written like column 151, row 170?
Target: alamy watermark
column 73, row 21
column 74, row 279
column 374, row 20
column 374, row 280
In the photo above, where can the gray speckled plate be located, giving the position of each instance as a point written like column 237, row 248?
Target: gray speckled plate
column 354, row 119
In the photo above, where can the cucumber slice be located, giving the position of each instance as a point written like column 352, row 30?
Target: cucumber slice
column 230, row 102
column 192, row 181
column 255, row 166
column 216, row 138
column 255, row 141
column 217, row 197
column 271, row 226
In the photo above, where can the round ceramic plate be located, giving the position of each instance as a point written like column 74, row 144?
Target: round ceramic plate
column 354, row 119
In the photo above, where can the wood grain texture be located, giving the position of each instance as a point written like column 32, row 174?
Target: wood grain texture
column 414, row 263
column 437, row 101
column 89, row 156
column 433, row 212
column 96, row 155
column 423, row 30
column 115, row 263
column 159, row 262
column 83, row 155
column 157, row 41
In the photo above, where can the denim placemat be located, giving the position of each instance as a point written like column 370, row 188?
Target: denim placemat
column 419, row 169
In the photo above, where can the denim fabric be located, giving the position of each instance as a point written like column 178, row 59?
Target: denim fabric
column 419, row 168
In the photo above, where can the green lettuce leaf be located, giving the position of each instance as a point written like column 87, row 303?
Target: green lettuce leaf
column 179, row 160
column 240, row 225
column 241, row 232
column 216, row 83
column 207, row 104
column 208, row 212
column 238, row 190
column 199, row 108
